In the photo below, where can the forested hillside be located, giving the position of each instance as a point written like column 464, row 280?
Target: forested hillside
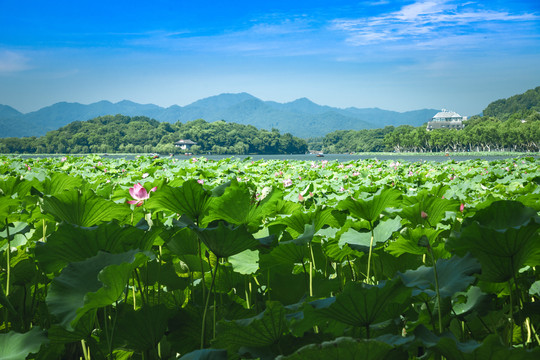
column 139, row 134
column 524, row 103
column 511, row 124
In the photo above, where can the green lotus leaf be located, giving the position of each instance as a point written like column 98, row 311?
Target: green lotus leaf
column 246, row 262
column 297, row 221
column 290, row 253
column 90, row 284
column 407, row 242
column 262, row 330
column 226, row 240
column 60, row 182
column 433, row 207
column 364, row 305
column 455, row 274
column 503, row 237
column 343, row 348
column 190, row 199
column 370, row 209
column 84, row 208
column 238, row 206
column 305, row 238
column 206, row 354
column 15, row 186
column 535, row 288
column 59, row 335
column 7, row 208
column 475, row 300
column 361, row 241
column 141, row 329
column 296, row 250
column 492, row 349
column 16, row 346
column 71, row 243
column 446, row 345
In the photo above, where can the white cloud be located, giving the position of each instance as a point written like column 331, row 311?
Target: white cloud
column 424, row 21
column 11, row 62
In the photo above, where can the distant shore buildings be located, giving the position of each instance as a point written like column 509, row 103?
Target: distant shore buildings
column 446, row 119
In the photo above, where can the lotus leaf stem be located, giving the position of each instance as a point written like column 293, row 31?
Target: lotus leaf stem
column 203, row 325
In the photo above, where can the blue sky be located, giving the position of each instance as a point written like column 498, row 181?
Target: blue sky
column 395, row 55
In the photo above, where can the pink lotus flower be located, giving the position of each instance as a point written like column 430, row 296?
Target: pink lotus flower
column 201, row 181
column 287, row 182
column 423, row 215
column 139, row 193
column 300, row 198
column 461, row 207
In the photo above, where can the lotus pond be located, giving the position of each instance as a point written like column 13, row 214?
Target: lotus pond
column 238, row 259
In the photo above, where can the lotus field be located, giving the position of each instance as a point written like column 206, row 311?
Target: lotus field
column 149, row 258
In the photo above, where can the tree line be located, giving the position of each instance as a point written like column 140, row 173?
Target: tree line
column 140, row 134
column 519, row 132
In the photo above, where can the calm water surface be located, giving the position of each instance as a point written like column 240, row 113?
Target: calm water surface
column 329, row 157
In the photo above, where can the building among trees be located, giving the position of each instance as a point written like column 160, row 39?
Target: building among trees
column 185, row 144
column 446, row 119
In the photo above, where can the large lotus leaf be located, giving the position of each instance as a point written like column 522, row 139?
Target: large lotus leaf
column 60, row 182
column 501, row 215
column 86, row 324
column 182, row 241
column 407, row 242
column 362, row 304
column 492, row 349
column 297, row 221
column 93, row 283
column 434, row 207
column 83, row 208
column 238, row 206
column 262, row 330
column 475, row 300
column 71, row 243
column 455, row 274
column 206, row 354
column 343, row 348
column 336, row 253
column 225, row 240
column 371, row 209
column 190, row 199
column 446, row 344
column 15, row 185
column 535, row 288
column 246, row 262
column 7, row 208
column 296, row 250
column 361, row 241
column 16, row 346
column 504, row 245
column 141, row 329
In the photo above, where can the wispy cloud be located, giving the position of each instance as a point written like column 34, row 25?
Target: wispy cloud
column 12, row 62
column 426, row 21
column 271, row 36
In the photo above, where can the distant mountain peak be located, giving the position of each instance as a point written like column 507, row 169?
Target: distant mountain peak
column 301, row 117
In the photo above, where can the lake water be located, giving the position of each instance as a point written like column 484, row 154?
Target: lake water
column 350, row 157
column 411, row 157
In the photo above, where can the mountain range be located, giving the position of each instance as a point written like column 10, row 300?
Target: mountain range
column 302, row 117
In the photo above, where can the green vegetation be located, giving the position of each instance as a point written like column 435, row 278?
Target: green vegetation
column 139, row 134
column 522, row 103
column 105, row 258
column 519, row 131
